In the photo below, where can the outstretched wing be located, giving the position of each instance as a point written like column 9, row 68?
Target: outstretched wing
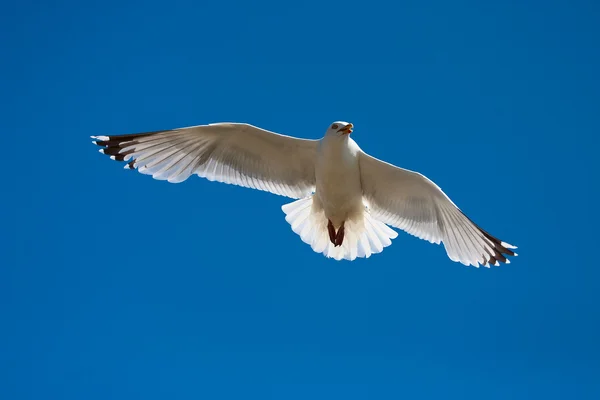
column 409, row 201
column 238, row 154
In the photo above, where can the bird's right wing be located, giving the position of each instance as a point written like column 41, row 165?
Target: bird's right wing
column 238, row 154
column 409, row 201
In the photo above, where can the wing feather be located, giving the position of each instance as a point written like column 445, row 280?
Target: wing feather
column 239, row 154
column 409, row 201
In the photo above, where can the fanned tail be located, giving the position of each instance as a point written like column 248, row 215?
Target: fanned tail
column 363, row 236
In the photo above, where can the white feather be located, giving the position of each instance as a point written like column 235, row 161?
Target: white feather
column 413, row 203
column 363, row 235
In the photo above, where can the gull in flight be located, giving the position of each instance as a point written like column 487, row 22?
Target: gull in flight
column 345, row 198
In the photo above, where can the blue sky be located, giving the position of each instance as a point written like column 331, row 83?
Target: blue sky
column 114, row 285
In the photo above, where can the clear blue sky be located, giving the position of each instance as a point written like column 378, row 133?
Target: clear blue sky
column 114, row 285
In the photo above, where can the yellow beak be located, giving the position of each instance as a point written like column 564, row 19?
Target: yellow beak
column 346, row 129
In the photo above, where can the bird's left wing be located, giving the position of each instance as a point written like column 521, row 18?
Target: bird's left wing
column 238, row 154
column 409, row 201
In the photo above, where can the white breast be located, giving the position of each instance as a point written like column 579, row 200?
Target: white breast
column 338, row 188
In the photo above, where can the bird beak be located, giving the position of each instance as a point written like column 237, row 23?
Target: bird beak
column 346, row 130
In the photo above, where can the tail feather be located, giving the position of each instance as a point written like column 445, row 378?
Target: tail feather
column 362, row 237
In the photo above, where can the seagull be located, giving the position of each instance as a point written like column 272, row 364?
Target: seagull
column 345, row 199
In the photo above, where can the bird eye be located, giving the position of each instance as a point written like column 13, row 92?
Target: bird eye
column 334, row 126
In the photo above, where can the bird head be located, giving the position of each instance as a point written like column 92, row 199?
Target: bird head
column 340, row 128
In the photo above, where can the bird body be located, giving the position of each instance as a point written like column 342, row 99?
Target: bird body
column 345, row 198
column 337, row 176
